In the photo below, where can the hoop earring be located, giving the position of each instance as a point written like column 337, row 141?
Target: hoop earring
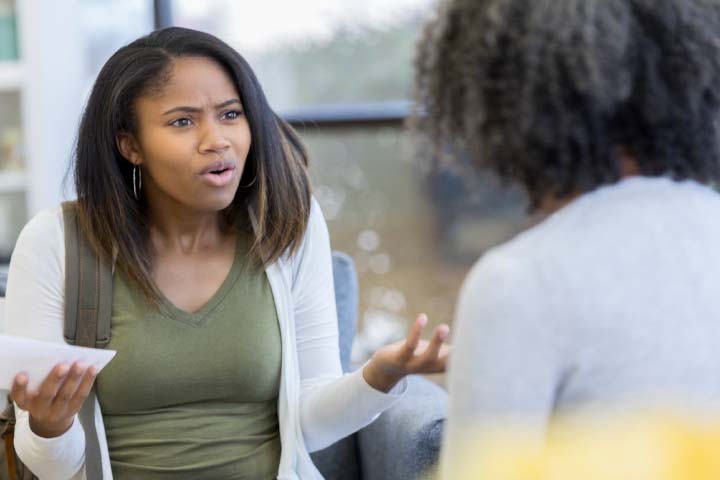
column 137, row 180
column 249, row 184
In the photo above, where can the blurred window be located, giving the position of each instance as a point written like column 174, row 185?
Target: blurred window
column 318, row 51
column 107, row 25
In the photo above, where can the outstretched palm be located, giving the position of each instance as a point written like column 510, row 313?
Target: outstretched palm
column 412, row 355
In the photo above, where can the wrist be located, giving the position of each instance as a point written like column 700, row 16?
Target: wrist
column 379, row 379
column 50, row 429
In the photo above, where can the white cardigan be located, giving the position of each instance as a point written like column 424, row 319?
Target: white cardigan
column 317, row 405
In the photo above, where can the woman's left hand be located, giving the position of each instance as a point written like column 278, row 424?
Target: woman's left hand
column 393, row 362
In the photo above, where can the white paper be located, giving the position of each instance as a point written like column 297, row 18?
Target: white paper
column 37, row 358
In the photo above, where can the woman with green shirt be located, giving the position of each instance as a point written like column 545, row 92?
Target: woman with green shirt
column 223, row 314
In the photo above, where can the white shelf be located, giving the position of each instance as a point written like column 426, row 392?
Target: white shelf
column 12, row 181
column 12, row 76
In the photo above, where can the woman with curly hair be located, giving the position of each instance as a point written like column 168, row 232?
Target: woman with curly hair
column 606, row 112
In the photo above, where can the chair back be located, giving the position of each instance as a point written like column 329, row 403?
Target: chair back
column 345, row 280
column 341, row 460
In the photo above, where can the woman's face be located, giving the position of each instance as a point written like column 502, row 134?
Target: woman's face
column 192, row 139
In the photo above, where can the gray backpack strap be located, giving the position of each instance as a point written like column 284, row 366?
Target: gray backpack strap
column 88, row 312
column 88, row 287
column 93, row 457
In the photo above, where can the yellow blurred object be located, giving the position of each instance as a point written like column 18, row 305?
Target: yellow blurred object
column 653, row 448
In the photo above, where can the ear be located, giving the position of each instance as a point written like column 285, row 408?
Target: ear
column 129, row 148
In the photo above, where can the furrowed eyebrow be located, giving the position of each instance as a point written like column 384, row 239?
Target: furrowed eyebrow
column 187, row 109
column 227, row 103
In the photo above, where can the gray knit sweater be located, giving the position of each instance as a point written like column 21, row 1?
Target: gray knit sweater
column 611, row 302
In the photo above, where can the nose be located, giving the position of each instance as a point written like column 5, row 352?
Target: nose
column 213, row 139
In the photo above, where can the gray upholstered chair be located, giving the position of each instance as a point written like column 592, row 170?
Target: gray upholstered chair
column 404, row 442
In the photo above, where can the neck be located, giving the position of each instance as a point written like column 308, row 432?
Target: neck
column 186, row 233
column 551, row 204
column 176, row 228
column 628, row 168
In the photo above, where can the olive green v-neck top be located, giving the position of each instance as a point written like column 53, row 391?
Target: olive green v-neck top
column 192, row 396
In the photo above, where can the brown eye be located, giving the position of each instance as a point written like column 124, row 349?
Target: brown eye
column 182, row 122
column 233, row 115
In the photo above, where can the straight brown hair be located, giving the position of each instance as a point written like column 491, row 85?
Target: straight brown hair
column 276, row 205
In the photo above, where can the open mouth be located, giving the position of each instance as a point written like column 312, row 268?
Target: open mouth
column 219, row 174
column 220, row 171
column 218, row 167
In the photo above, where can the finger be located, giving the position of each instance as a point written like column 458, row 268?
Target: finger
column 441, row 333
column 441, row 362
column 445, row 351
column 413, row 338
column 51, row 385
column 426, row 365
column 19, row 392
column 68, row 389
column 442, row 359
column 83, row 390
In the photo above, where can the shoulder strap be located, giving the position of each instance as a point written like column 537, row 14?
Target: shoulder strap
column 88, row 312
column 88, row 287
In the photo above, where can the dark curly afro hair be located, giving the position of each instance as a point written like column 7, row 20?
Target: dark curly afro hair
column 548, row 92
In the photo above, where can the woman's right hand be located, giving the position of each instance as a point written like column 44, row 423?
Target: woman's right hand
column 53, row 406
